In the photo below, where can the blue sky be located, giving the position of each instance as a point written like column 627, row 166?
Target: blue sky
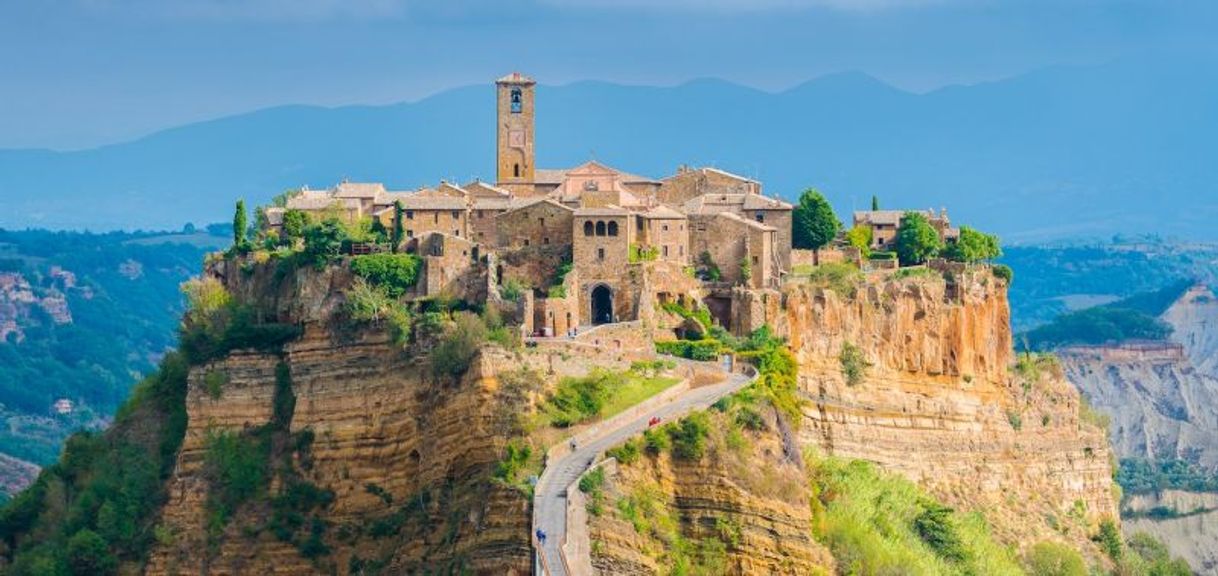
column 79, row 73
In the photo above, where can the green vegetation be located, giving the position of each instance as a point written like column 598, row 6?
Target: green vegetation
column 124, row 305
column 1053, row 559
column 860, row 237
column 215, row 324
column 626, row 453
column 640, row 253
column 746, row 270
column 696, row 311
column 460, row 344
column 601, row 394
column 235, row 466
column 877, row 523
column 394, row 273
column 689, row 436
column 973, row 246
column 842, row 278
column 515, row 459
column 703, row 350
column 706, row 269
column 917, row 241
column 592, row 484
column 240, row 228
column 323, row 243
column 854, row 364
column 1003, row 272
column 1099, row 325
column 1139, row 476
column 1056, row 279
column 97, row 504
column 813, row 222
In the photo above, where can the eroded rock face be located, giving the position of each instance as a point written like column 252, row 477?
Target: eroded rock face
column 1161, row 407
column 385, row 438
column 1194, row 321
column 940, row 404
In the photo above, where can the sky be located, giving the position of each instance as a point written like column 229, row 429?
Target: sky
column 82, row 73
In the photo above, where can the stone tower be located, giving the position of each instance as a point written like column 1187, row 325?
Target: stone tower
column 514, row 152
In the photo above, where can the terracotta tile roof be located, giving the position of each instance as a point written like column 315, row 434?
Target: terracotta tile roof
column 479, row 188
column 886, row 217
column 358, row 189
column 524, row 203
column 664, row 213
column 556, row 176
column 419, row 201
column 745, row 221
column 759, row 202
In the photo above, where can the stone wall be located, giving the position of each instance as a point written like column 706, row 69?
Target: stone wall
column 538, row 224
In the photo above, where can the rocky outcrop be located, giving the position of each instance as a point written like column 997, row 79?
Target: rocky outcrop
column 1194, row 321
column 1183, row 520
column 1160, row 406
column 407, row 457
column 940, row 404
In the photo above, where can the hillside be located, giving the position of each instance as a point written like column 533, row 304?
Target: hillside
column 1095, row 150
column 293, row 435
column 81, row 317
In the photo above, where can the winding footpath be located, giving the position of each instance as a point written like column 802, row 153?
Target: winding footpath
column 565, row 467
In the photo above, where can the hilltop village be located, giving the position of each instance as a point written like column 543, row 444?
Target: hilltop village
column 592, row 244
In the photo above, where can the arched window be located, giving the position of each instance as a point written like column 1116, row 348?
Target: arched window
column 613, row 228
column 516, row 101
column 600, row 228
column 516, row 170
column 588, row 228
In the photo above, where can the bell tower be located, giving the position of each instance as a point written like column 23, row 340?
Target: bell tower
column 514, row 144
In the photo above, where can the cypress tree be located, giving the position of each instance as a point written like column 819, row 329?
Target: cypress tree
column 395, row 235
column 240, row 222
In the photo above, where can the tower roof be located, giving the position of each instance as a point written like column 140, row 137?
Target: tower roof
column 515, row 78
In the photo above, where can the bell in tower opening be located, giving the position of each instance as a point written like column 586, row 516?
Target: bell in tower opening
column 516, row 106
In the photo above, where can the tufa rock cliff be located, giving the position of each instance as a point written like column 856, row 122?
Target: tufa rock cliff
column 938, row 402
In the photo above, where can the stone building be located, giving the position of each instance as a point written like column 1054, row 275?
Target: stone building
column 885, row 224
column 592, row 244
column 600, row 253
column 539, row 222
column 689, row 183
column 769, row 211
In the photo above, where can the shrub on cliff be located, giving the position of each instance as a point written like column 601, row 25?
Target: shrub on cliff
column 457, row 348
column 1053, row 559
column 854, row 364
column 393, row 273
column 323, row 242
column 689, row 436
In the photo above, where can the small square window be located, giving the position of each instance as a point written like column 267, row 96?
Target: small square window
column 526, row 241
column 755, row 260
column 410, row 214
column 664, row 227
column 600, row 254
column 410, row 233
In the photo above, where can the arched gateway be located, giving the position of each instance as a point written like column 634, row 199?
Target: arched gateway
column 602, row 305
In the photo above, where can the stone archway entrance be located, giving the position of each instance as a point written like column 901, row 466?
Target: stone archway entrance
column 602, row 305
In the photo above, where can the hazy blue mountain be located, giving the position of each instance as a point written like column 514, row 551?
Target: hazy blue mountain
column 1129, row 146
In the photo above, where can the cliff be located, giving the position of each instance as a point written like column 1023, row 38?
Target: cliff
column 406, row 457
column 938, row 402
column 941, row 404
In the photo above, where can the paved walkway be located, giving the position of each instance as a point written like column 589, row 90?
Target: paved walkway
column 550, row 500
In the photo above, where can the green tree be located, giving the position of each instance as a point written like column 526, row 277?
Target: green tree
column 1053, row 559
column 746, row 270
column 324, row 242
column 240, row 225
column 860, row 237
column 875, row 203
column 814, row 223
column 396, row 234
column 973, row 246
column 294, row 224
column 917, row 240
column 88, row 555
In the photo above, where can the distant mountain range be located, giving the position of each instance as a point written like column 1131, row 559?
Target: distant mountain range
column 1129, row 146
